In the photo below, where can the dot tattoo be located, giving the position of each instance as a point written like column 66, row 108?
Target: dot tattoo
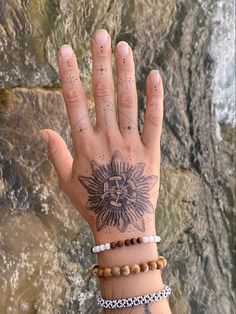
column 71, row 80
column 130, row 127
column 101, row 70
column 79, row 126
column 126, row 81
column 118, row 193
column 104, row 104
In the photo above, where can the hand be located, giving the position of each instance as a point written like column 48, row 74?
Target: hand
column 113, row 179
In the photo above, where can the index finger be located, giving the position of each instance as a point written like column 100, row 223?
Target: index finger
column 74, row 95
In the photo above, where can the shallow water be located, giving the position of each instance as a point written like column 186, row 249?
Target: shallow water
column 44, row 246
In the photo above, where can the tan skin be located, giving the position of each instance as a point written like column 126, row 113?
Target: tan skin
column 116, row 129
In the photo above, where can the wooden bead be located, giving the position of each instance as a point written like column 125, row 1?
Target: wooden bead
column 159, row 264
column 113, row 245
column 152, row 265
column 127, row 242
column 134, row 269
column 125, row 270
column 107, row 272
column 120, row 243
column 140, row 240
column 115, row 271
column 100, row 272
column 164, row 261
column 133, row 241
column 144, row 267
column 94, row 271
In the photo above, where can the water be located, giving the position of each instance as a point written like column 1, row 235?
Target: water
column 44, row 245
column 222, row 50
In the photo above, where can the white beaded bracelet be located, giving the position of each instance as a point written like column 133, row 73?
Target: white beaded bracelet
column 108, row 246
column 135, row 301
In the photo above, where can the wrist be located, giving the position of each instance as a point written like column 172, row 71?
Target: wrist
column 112, row 234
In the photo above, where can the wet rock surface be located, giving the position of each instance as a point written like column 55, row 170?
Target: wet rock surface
column 44, row 245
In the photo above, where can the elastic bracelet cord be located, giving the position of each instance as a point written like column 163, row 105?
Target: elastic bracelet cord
column 119, row 244
column 135, row 301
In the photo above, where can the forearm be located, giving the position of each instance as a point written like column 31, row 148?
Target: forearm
column 134, row 284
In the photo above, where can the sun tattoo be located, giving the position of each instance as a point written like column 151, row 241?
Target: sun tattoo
column 118, row 193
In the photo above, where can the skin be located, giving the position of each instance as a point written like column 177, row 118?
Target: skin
column 116, row 129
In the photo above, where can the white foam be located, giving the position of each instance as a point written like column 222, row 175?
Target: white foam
column 222, row 50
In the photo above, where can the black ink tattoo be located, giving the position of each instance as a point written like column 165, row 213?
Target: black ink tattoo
column 105, row 104
column 71, row 80
column 147, row 309
column 80, row 126
column 101, row 69
column 130, row 127
column 126, row 81
column 119, row 193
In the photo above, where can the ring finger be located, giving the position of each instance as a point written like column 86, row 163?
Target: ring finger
column 126, row 90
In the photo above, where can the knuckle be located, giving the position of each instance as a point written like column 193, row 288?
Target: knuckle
column 72, row 97
column 154, row 119
column 102, row 90
column 109, row 137
column 129, row 149
column 127, row 100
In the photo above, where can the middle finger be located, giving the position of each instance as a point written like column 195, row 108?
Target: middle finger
column 103, row 85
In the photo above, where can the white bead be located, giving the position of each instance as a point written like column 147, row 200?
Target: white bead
column 97, row 249
column 102, row 247
column 151, row 239
column 107, row 246
column 145, row 239
column 157, row 239
column 94, row 250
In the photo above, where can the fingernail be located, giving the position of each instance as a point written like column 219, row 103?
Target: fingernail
column 45, row 136
column 123, row 49
column 101, row 37
column 155, row 77
column 66, row 52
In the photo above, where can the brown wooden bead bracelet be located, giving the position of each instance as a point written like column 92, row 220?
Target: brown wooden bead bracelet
column 127, row 270
column 127, row 242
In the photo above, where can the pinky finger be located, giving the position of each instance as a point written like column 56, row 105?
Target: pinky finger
column 151, row 134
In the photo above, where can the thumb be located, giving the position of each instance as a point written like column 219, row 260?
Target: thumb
column 58, row 154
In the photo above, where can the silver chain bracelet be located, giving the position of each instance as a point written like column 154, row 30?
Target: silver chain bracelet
column 135, row 301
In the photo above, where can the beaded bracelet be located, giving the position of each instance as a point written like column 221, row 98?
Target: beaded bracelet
column 127, row 242
column 135, row 301
column 127, row 270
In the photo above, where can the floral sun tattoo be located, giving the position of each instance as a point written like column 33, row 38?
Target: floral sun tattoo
column 118, row 193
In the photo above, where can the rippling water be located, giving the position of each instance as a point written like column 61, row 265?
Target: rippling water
column 44, row 246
